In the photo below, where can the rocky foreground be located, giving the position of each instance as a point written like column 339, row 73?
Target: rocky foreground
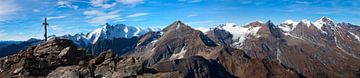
column 59, row 58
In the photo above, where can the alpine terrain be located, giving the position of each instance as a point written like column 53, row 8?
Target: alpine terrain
column 292, row 49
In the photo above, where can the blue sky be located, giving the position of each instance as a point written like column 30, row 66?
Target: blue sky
column 21, row 19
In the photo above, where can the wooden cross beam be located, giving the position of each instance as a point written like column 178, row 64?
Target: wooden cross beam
column 45, row 24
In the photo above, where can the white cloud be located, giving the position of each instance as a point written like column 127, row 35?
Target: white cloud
column 36, row 10
column 192, row 15
column 131, row 2
column 137, row 20
column 302, row 2
column 66, row 4
column 137, row 15
column 55, row 17
column 100, row 17
column 8, row 7
column 94, row 13
column 190, row 1
column 102, row 3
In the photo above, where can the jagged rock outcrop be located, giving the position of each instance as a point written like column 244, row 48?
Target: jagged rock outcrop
column 40, row 60
column 220, row 36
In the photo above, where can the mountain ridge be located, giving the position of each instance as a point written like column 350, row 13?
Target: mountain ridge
column 288, row 50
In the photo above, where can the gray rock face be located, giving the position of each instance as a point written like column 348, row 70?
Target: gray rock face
column 64, row 72
column 194, row 67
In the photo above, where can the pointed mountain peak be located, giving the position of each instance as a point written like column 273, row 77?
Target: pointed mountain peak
column 255, row 24
column 290, row 22
column 106, row 26
column 177, row 25
column 258, row 21
column 324, row 18
column 324, row 21
column 178, row 21
column 269, row 22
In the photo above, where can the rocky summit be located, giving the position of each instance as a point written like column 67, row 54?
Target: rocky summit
column 292, row 49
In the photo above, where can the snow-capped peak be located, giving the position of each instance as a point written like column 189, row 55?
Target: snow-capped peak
column 324, row 18
column 323, row 21
column 291, row 22
column 117, row 31
column 288, row 25
column 230, row 24
column 259, row 21
column 94, row 35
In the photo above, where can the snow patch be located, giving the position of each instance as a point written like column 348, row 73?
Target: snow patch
column 178, row 26
column 318, row 24
column 288, row 34
column 278, row 54
column 179, row 55
column 356, row 37
column 126, row 30
column 241, row 33
column 94, row 36
column 161, row 33
column 259, row 21
column 154, row 41
column 285, row 28
column 137, row 31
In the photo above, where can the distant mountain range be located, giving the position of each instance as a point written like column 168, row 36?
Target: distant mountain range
column 10, row 42
column 322, row 48
column 116, row 37
column 12, row 47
